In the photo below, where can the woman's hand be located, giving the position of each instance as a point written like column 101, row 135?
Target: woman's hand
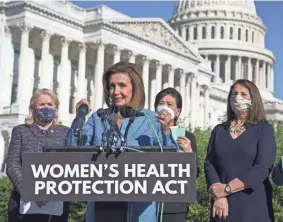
column 164, row 118
column 218, row 190
column 83, row 101
column 185, row 144
column 220, row 208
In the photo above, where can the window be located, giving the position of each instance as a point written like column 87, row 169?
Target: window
column 253, row 37
column 239, row 33
column 231, row 33
column 247, row 35
column 180, row 31
column 222, row 32
column 212, row 32
column 195, row 33
column 204, row 32
column 187, row 34
column 212, row 66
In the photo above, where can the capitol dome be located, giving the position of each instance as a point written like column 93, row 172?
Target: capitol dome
column 231, row 36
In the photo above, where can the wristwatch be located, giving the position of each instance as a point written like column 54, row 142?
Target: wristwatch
column 228, row 189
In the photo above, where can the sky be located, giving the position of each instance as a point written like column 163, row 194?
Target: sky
column 271, row 13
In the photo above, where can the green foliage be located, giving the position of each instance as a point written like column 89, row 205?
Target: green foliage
column 5, row 192
column 199, row 212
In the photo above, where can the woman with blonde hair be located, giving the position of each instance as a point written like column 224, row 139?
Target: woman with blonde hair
column 41, row 128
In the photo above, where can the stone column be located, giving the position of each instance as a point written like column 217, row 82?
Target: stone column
column 250, row 73
column 257, row 73
column 191, row 33
column 206, row 90
column 65, row 81
column 153, row 93
column 171, row 76
column 228, row 69
column 158, row 76
column 187, row 108
column 269, row 76
column 199, row 30
column 24, row 90
column 183, row 85
column 217, row 69
column 240, row 73
column 208, row 31
column 6, row 66
column 132, row 57
column 236, row 68
column 99, row 69
column 217, row 31
column 81, row 73
column 263, row 75
column 117, row 54
column 145, row 77
column 45, row 77
column 193, row 99
column 272, row 78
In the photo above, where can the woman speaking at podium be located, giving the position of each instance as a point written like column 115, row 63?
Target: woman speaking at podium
column 123, row 86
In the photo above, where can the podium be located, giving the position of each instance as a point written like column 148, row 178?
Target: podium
column 110, row 179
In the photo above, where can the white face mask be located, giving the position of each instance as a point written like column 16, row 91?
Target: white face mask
column 159, row 108
column 240, row 105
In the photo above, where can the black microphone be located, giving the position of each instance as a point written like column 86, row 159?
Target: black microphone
column 111, row 138
column 79, row 123
column 128, row 111
column 102, row 115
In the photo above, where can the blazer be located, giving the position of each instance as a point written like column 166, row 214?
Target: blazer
column 141, row 133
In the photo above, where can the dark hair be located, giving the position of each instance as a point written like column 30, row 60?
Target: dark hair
column 256, row 113
column 138, row 94
column 169, row 91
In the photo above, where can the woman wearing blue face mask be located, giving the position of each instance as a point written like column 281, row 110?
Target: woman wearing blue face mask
column 170, row 100
column 41, row 129
column 239, row 159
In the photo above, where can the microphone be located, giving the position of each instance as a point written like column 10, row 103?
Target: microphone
column 113, row 119
column 128, row 111
column 102, row 115
column 79, row 122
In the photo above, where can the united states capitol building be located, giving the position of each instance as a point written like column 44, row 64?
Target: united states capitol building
column 201, row 51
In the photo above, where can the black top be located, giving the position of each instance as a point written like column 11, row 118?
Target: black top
column 249, row 158
column 30, row 139
column 182, row 207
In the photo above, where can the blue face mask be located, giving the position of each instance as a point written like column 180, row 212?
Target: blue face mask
column 45, row 115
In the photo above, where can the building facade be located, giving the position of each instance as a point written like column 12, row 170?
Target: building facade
column 57, row 45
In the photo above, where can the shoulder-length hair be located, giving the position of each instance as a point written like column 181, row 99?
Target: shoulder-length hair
column 30, row 119
column 138, row 94
column 256, row 113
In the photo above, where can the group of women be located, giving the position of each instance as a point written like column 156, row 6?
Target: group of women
column 240, row 154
